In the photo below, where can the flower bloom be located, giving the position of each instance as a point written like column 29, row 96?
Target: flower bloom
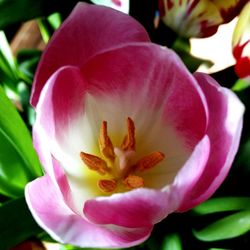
column 125, row 133
column 198, row 18
column 121, row 5
column 241, row 44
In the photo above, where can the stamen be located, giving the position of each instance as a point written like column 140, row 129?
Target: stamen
column 107, row 186
column 133, row 181
column 105, row 144
column 129, row 140
column 95, row 163
column 149, row 161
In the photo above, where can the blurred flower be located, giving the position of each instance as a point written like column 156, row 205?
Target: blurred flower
column 241, row 44
column 122, row 5
column 198, row 18
column 29, row 245
column 125, row 133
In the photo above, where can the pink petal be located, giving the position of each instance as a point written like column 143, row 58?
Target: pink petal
column 138, row 208
column 129, row 73
column 61, row 101
column 145, row 207
column 224, row 129
column 52, row 214
column 194, row 167
column 78, row 40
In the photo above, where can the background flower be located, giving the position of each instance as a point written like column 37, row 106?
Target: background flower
column 241, row 44
column 198, row 18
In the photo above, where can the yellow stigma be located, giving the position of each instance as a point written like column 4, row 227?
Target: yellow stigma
column 117, row 163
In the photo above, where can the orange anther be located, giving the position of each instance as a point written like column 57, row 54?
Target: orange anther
column 133, row 181
column 107, row 186
column 149, row 161
column 129, row 140
column 95, row 163
column 105, row 144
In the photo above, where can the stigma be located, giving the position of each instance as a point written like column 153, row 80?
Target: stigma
column 116, row 165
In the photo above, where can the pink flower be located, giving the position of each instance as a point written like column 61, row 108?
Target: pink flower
column 241, row 44
column 198, row 18
column 125, row 133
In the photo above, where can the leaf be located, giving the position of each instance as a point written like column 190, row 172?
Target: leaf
column 15, row 11
column 172, row 242
column 240, row 85
column 8, row 69
column 223, row 204
column 49, row 25
column 226, row 228
column 27, row 60
column 19, row 163
column 16, row 223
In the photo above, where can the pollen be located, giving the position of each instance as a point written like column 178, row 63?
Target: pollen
column 129, row 139
column 149, row 161
column 105, row 144
column 107, row 186
column 95, row 163
column 133, row 181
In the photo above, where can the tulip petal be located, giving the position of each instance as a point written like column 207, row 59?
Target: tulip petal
column 224, row 130
column 134, row 82
column 143, row 207
column 52, row 214
column 77, row 40
column 138, row 208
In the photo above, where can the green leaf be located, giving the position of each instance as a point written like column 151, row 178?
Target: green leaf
column 27, row 60
column 16, row 223
column 8, row 69
column 223, row 204
column 49, row 25
column 226, row 228
column 240, row 85
column 14, row 11
column 19, row 163
column 172, row 242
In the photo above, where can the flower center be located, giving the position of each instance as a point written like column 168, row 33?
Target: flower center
column 118, row 163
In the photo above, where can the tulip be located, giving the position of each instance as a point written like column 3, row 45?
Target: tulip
column 198, row 18
column 241, row 44
column 121, row 5
column 125, row 133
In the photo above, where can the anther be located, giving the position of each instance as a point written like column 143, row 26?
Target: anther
column 105, row 144
column 107, row 186
column 133, row 181
column 95, row 163
column 129, row 140
column 149, row 161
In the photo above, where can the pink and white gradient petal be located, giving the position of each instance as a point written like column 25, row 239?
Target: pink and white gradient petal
column 131, row 77
column 224, row 130
column 77, row 40
column 66, row 226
